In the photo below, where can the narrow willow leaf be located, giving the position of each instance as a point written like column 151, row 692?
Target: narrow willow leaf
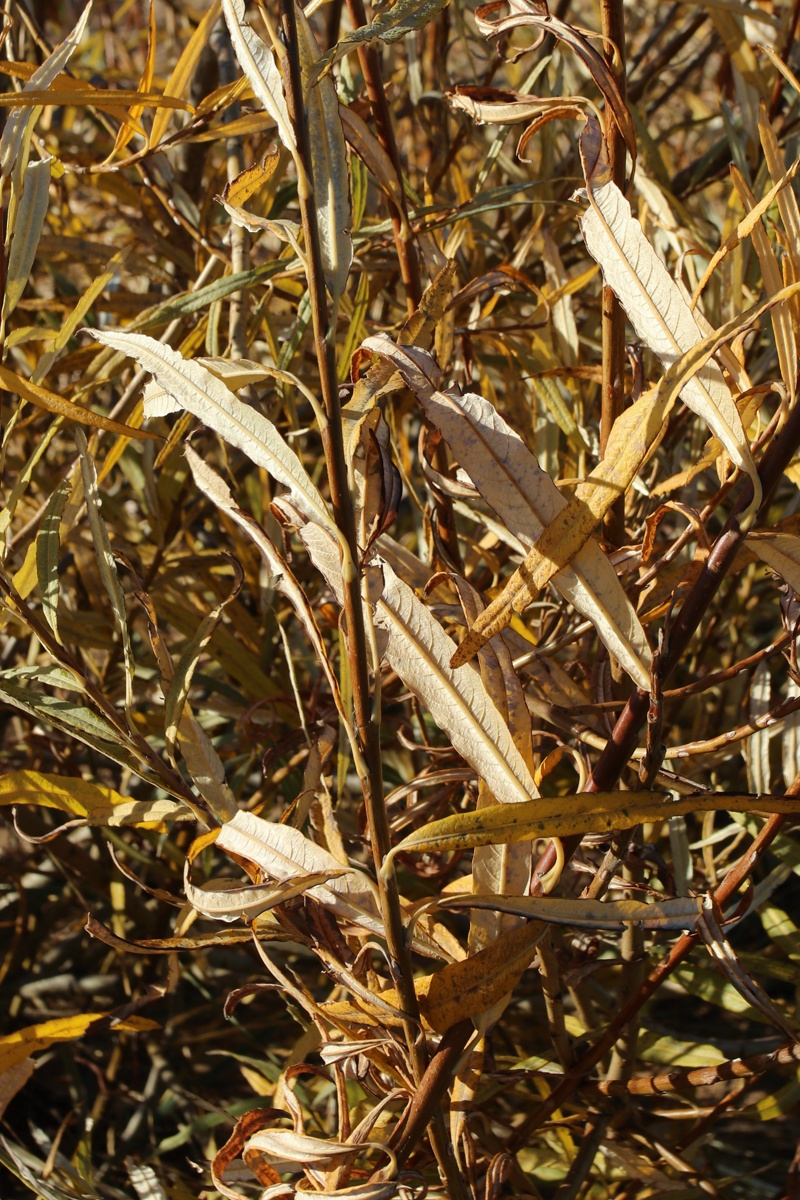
column 14, row 1047
column 284, row 853
column 48, row 551
column 77, row 722
column 212, row 486
column 222, row 900
column 126, row 131
column 773, row 282
column 389, row 25
column 598, row 812
column 18, row 120
column 498, row 869
column 510, row 479
column 632, row 437
column 287, row 1146
column 205, row 766
column 26, row 231
column 756, row 748
column 65, row 408
column 363, row 141
column 183, row 70
column 259, row 67
column 790, row 743
column 478, row 983
column 781, row 552
column 419, row 651
column 105, row 560
column 81, row 798
column 329, row 174
column 201, row 393
column 680, row 914
column 659, row 313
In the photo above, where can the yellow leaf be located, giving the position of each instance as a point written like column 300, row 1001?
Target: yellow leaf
column 15, row 1047
column 564, row 816
column 474, row 985
column 65, row 408
column 81, row 798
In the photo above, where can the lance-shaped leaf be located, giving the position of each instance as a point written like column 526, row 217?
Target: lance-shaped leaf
column 49, row 401
column 479, row 983
column 26, row 231
column 88, row 801
column 682, row 913
column 224, row 900
column 260, row 69
column 283, row 853
column 194, row 388
column 215, row 488
column 419, row 650
column 329, row 174
column 632, row 437
column 781, row 552
column 598, row 812
column 391, row 24
column 510, row 479
column 660, row 315
column 41, row 79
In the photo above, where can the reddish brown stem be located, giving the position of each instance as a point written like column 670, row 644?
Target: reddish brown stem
column 370, row 61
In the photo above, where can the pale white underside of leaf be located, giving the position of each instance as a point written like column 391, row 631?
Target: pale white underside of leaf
column 224, row 900
column 203, row 394
column 42, row 77
column 781, row 551
column 419, row 650
column 283, row 853
column 756, row 748
column 659, row 313
column 329, row 173
column 212, row 486
column 259, row 68
column 511, row 481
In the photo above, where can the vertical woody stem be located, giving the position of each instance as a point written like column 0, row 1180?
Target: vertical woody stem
column 357, row 643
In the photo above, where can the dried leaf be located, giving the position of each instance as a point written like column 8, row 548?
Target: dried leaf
column 81, row 798
column 660, row 314
column 26, row 231
column 194, row 388
column 15, row 1047
column 478, row 983
column 182, row 71
column 259, row 66
column 525, row 497
column 18, row 120
column 389, row 25
column 679, row 914
column 329, row 174
column 568, row 815
column 65, row 408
